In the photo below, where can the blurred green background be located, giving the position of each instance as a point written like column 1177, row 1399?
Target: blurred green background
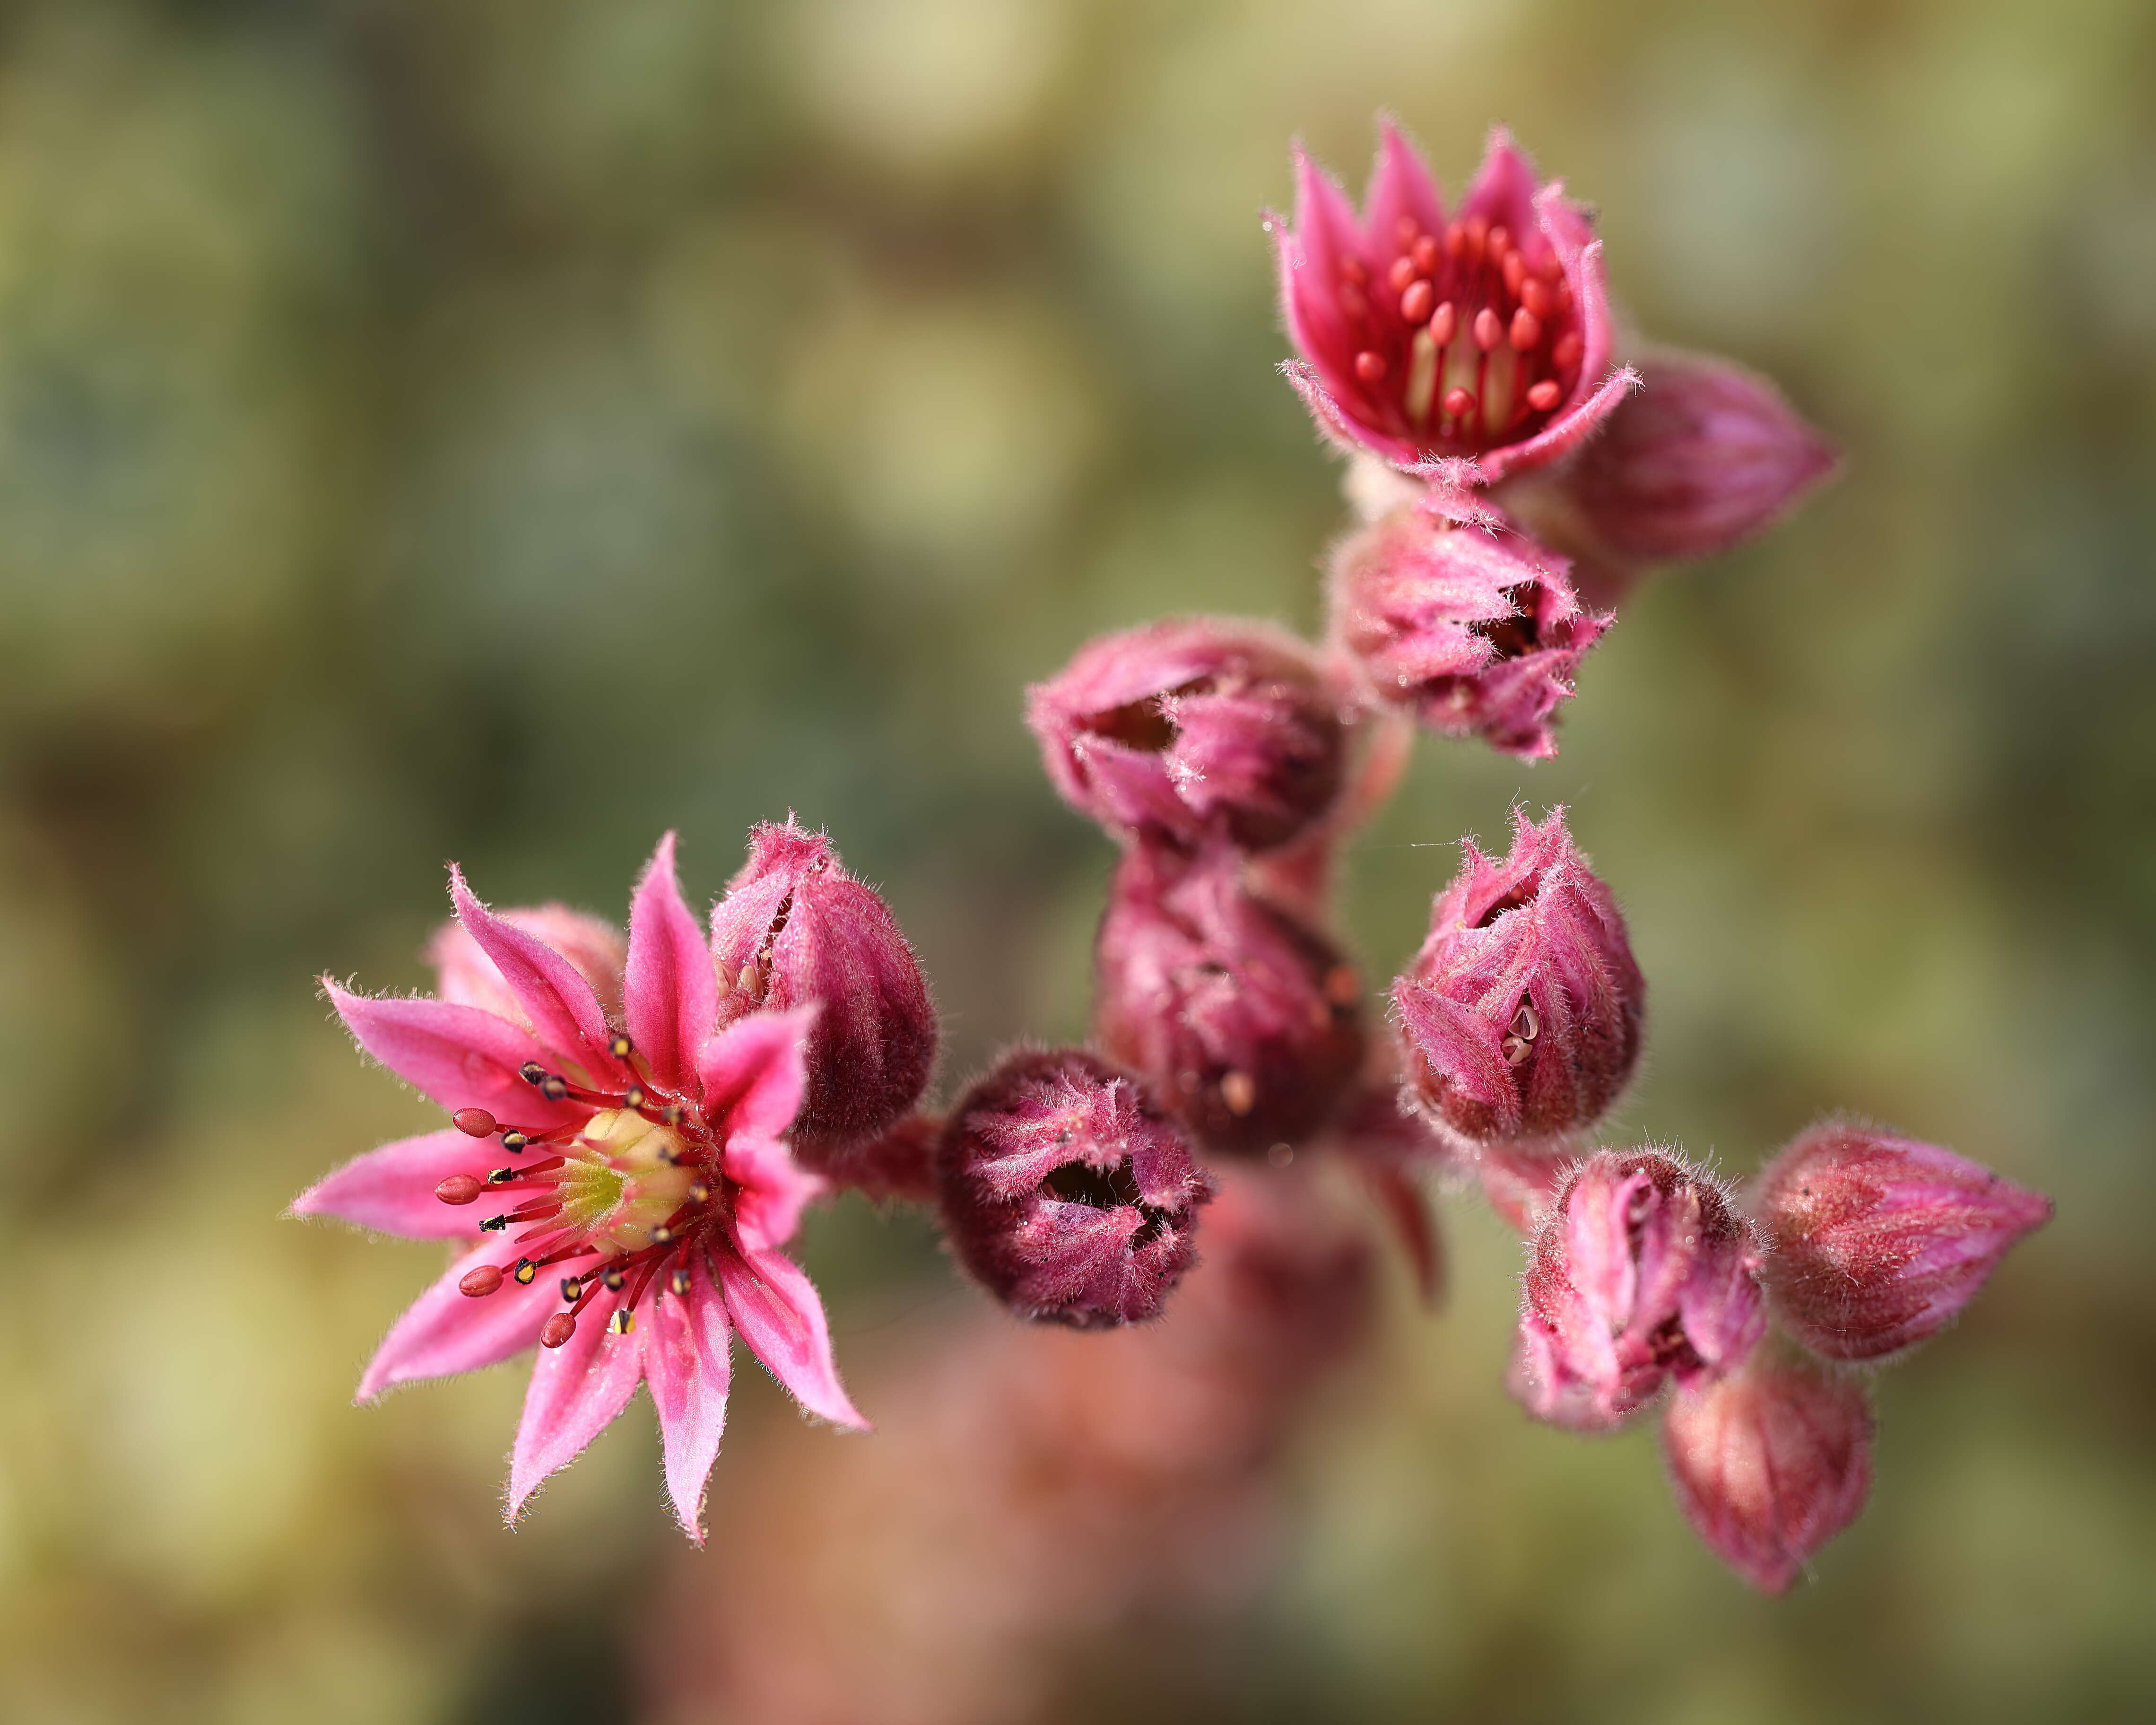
column 506, row 428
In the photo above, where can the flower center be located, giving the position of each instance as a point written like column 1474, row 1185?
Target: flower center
column 1463, row 340
column 625, row 1196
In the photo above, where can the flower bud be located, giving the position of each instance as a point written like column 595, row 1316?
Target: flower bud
column 1769, row 1463
column 795, row 929
column 1067, row 1192
column 1245, row 1020
column 595, row 948
column 1876, row 1241
column 1704, row 456
column 1642, row 1271
column 1522, row 1015
column 1477, row 632
column 1193, row 729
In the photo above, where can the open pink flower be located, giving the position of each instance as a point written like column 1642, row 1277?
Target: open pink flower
column 1485, row 337
column 640, row 1182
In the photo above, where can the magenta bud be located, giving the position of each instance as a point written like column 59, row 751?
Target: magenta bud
column 1769, row 1463
column 1642, row 1271
column 1478, row 632
column 1245, row 1020
column 1878, row 1242
column 1522, row 1016
column 795, row 929
column 1067, row 1192
column 1705, row 455
column 1192, row 729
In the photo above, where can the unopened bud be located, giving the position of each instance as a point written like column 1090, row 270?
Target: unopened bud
column 1642, row 1271
column 1770, row 1462
column 1478, row 632
column 795, row 929
column 1522, row 1014
column 1194, row 729
column 1706, row 455
column 1243, row 1020
column 1878, row 1242
column 1067, row 1192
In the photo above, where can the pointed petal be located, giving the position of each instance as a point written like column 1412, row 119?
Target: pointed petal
column 673, row 993
column 754, row 1071
column 775, row 1188
column 576, row 1391
column 775, row 1307
column 1325, row 224
column 445, row 1332
column 1503, row 190
column 392, row 1190
column 686, row 1363
column 563, row 1009
column 1400, row 185
column 1340, row 429
column 1563, row 433
column 466, row 976
column 458, row 1055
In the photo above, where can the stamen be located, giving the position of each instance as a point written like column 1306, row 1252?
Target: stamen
column 621, row 1048
column 1417, row 301
column 532, row 1072
column 1370, row 366
column 1458, row 403
column 1527, row 330
column 1401, row 273
column 1422, row 373
column 699, row 1192
column 558, row 1329
column 1567, row 353
column 458, row 1188
column 479, row 1282
column 1427, row 253
column 1444, row 323
column 494, row 1225
column 514, row 1141
column 1354, row 270
column 678, row 1281
column 1535, row 294
column 662, row 1235
column 633, row 1097
column 1543, row 396
column 474, row 1122
column 572, row 1289
column 621, row 1323
column 554, row 1087
column 1515, row 273
column 502, row 1176
column 612, row 1276
column 524, row 1272
column 1240, row 1091
column 1488, row 331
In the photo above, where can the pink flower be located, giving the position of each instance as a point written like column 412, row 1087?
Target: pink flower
column 639, row 1191
column 1192, row 729
column 1522, row 1016
column 795, row 929
column 1878, row 1242
column 1642, row 1271
column 1245, row 1021
column 1486, row 336
column 1769, row 1463
column 1705, row 456
column 1476, row 631
column 1068, row 1193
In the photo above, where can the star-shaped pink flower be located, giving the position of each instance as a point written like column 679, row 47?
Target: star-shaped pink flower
column 637, row 1180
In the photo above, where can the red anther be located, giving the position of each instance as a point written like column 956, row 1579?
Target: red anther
column 1456, row 241
column 537, row 1210
column 1401, row 273
column 1489, row 329
column 1527, row 330
column 1408, row 230
column 1543, row 396
column 480, row 1282
column 1370, row 366
column 1353, row 268
column 558, row 1329
column 1355, row 301
column 1536, row 295
column 1551, row 268
column 1515, row 273
column 1476, row 232
column 1426, row 251
column 1458, row 403
column 1566, row 352
column 1444, row 323
column 1416, row 302
column 1500, row 239
column 474, row 1122
column 458, row 1188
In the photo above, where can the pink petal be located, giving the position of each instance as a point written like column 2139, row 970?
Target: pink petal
column 1503, row 190
column 774, row 1305
column 673, row 993
column 458, row 1055
column 466, row 976
column 1563, row 433
column 753, row 1073
column 685, row 1361
column 576, row 1391
column 1346, row 433
column 1400, row 185
column 560, row 1003
column 445, row 1331
column 392, row 1190
column 775, row 1189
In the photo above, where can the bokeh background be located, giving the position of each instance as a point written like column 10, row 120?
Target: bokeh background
column 506, row 428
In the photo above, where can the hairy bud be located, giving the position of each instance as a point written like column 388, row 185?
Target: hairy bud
column 1245, row 1020
column 1642, row 1271
column 1477, row 632
column 1769, row 1463
column 1067, row 1192
column 1522, row 1016
column 1877, row 1241
column 1194, row 729
column 795, row 929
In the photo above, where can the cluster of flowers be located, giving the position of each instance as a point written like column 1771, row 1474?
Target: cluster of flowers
column 659, row 1109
